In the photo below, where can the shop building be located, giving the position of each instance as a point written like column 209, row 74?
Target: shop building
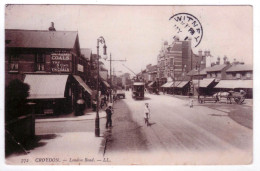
column 51, row 63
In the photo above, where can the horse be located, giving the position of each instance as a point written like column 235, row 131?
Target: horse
column 226, row 95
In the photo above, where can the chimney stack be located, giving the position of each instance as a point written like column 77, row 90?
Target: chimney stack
column 52, row 28
column 225, row 59
column 218, row 61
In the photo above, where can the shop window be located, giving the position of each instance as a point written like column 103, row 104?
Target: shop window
column 248, row 75
column 238, row 75
column 13, row 63
column 171, row 62
column 40, row 62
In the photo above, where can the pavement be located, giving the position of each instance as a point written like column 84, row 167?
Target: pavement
column 48, row 148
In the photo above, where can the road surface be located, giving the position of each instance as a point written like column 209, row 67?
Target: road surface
column 179, row 134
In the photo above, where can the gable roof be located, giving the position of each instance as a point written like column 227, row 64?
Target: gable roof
column 196, row 72
column 216, row 68
column 86, row 52
column 40, row 39
column 240, row 67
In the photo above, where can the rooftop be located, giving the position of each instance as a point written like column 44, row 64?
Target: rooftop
column 86, row 52
column 40, row 38
column 240, row 67
column 216, row 68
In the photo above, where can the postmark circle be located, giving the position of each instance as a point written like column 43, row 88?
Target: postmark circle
column 187, row 26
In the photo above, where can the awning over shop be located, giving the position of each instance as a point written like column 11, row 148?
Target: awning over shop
column 151, row 84
column 232, row 84
column 176, row 83
column 182, row 84
column 167, row 85
column 106, row 83
column 138, row 83
column 46, row 86
column 83, row 84
column 206, row 82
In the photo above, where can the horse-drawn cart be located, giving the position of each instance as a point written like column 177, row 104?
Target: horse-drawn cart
column 231, row 96
column 203, row 99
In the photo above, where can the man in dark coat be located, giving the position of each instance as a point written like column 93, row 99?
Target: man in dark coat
column 109, row 116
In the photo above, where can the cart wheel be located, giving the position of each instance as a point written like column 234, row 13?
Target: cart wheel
column 237, row 99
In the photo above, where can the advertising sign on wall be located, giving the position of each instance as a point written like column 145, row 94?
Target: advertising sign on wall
column 61, row 62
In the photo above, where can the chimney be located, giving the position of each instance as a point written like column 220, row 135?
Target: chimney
column 200, row 53
column 52, row 28
column 225, row 59
column 208, row 58
column 218, row 61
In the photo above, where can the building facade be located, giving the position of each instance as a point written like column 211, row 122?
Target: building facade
column 52, row 58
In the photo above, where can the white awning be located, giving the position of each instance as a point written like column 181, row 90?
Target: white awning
column 106, row 83
column 167, row 85
column 151, row 83
column 46, row 86
column 206, row 82
column 182, row 84
column 83, row 84
column 138, row 83
column 232, row 84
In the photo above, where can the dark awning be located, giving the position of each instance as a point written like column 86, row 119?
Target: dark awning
column 46, row 86
column 83, row 84
column 182, row 84
column 206, row 82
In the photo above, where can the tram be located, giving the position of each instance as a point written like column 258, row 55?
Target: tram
column 138, row 90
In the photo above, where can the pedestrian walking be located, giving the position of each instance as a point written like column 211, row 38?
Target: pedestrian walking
column 191, row 103
column 147, row 113
column 109, row 112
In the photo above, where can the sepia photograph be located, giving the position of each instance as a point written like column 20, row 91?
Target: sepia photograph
column 128, row 84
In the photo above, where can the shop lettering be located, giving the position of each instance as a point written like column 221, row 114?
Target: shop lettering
column 60, row 66
column 63, row 57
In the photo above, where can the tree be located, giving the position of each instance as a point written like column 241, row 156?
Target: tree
column 15, row 99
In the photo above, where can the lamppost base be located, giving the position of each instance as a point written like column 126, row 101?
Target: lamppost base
column 97, row 129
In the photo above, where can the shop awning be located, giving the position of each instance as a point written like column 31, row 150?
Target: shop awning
column 232, row 84
column 206, row 82
column 182, row 84
column 138, row 83
column 176, row 83
column 167, row 85
column 83, row 84
column 106, row 83
column 151, row 84
column 46, row 86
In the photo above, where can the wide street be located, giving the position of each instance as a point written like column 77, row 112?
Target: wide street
column 204, row 134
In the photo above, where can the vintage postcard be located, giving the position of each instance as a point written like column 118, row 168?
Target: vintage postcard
column 128, row 85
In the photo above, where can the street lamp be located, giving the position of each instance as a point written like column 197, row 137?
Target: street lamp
column 102, row 41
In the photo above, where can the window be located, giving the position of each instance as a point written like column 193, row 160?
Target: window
column 40, row 62
column 13, row 62
column 238, row 75
column 171, row 62
column 248, row 75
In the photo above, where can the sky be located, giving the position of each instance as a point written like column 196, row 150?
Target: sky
column 136, row 33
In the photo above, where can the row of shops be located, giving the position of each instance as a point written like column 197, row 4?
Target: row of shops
column 207, row 86
column 55, row 67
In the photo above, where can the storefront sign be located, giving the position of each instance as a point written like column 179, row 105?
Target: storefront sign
column 80, row 68
column 61, row 62
column 61, row 56
column 60, row 66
